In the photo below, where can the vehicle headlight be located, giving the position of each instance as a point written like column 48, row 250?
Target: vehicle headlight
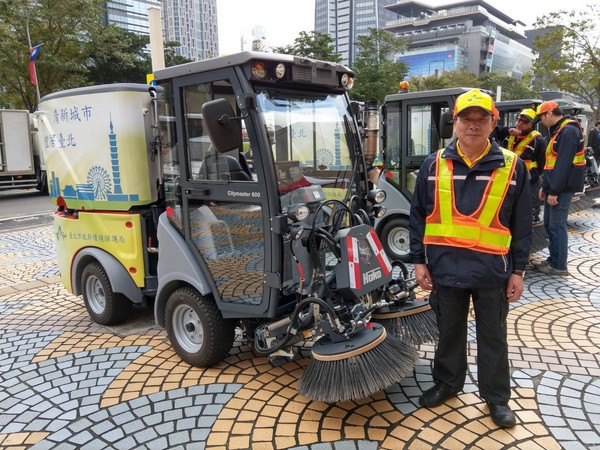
column 280, row 70
column 379, row 211
column 377, row 196
column 298, row 212
column 347, row 81
column 259, row 70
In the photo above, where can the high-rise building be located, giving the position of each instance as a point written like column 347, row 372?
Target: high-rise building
column 192, row 23
column 345, row 20
column 469, row 35
column 131, row 15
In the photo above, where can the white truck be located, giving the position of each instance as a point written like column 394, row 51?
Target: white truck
column 21, row 161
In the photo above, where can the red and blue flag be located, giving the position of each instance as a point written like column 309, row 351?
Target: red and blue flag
column 32, row 57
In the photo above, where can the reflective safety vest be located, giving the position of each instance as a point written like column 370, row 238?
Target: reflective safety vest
column 481, row 231
column 522, row 145
column 578, row 159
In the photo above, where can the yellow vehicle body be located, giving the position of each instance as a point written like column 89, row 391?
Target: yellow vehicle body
column 117, row 234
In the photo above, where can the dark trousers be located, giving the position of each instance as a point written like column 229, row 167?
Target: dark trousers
column 450, row 363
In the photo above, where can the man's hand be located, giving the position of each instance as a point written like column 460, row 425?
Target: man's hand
column 552, row 200
column 514, row 288
column 542, row 196
column 423, row 277
column 514, row 132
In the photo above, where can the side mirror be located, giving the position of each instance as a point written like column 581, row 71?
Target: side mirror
column 446, row 125
column 224, row 128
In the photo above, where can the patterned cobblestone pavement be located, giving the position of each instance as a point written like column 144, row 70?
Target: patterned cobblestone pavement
column 67, row 383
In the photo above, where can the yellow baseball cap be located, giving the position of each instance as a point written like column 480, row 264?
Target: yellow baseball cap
column 546, row 106
column 529, row 113
column 475, row 98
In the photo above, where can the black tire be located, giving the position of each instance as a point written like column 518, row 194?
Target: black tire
column 103, row 305
column 395, row 239
column 196, row 328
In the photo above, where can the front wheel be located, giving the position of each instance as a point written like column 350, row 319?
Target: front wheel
column 103, row 305
column 395, row 239
column 196, row 328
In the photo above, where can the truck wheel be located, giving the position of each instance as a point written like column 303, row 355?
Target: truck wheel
column 103, row 305
column 196, row 328
column 395, row 239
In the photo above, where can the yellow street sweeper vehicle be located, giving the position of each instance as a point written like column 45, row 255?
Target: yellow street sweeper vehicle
column 231, row 195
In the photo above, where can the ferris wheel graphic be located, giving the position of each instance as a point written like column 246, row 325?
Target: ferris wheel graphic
column 100, row 180
column 325, row 157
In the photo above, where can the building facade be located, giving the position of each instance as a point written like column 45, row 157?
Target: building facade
column 192, row 23
column 131, row 16
column 345, row 20
column 469, row 35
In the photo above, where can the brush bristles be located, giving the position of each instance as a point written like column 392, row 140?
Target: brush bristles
column 358, row 376
column 417, row 329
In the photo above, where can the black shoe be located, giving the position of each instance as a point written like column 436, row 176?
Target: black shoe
column 502, row 415
column 437, row 395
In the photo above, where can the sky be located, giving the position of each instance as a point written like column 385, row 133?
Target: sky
column 283, row 20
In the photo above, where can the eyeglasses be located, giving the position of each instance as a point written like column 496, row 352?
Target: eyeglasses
column 520, row 119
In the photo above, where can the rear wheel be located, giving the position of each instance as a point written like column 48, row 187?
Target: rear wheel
column 103, row 305
column 196, row 328
column 395, row 239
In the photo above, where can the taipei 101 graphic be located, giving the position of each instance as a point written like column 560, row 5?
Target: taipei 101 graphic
column 101, row 183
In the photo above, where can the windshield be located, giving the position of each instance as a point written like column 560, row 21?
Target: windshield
column 312, row 142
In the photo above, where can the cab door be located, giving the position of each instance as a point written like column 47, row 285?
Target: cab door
column 413, row 133
column 220, row 209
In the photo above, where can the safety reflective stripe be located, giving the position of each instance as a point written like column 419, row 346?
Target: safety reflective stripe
column 522, row 145
column 481, row 230
column 578, row 159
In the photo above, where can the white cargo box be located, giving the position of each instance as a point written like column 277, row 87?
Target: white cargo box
column 96, row 144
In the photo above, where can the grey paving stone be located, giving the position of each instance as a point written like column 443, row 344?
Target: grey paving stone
column 125, row 444
column 158, row 444
column 199, row 434
column 185, row 424
column 206, row 421
column 206, row 399
column 56, row 425
column 123, row 418
column 82, row 438
column 588, row 437
column 133, row 427
column 344, row 445
column 146, row 435
column 113, row 435
column 153, row 419
column 178, row 438
column 165, row 428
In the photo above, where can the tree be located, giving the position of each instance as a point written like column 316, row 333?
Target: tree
column 569, row 54
column 512, row 88
column 115, row 55
column 171, row 57
column 447, row 79
column 63, row 26
column 377, row 75
column 311, row 45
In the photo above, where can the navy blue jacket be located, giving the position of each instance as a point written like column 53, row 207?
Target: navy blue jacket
column 565, row 177
column 461, row 267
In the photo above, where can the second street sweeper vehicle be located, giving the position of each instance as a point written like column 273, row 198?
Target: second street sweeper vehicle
column 232, row 195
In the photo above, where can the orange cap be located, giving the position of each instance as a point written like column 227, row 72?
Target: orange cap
column 475, row 98
column 550, row 105
column 403, row 85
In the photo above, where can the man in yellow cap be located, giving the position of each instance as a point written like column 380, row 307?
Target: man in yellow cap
column 530, row 146
column 564, row 175
column 470, row 235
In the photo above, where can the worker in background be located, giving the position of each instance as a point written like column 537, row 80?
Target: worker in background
column 564, row 175
column 470, row 236
column 593, row 140
column 530, row 146
column 403, row 87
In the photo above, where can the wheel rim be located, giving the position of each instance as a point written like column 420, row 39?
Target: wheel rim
column 398, row 241
column 95, row 294
column 187, row 329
